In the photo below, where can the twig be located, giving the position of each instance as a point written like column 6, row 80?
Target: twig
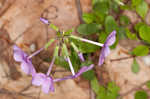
column 78, row 4
column 122, row 58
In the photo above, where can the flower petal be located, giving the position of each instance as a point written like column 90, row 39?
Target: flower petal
column 111, row 38
column 18, row 54
column 44, row 20
column 38, row 79
column 27, row 67
column 101, row 57
column 106, row 51
column 48, row 85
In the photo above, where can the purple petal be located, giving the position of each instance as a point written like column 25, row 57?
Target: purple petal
column 111, row 38
column 104, row 53
column 44, row 20
column 81, row 57
column 102, row 56
column 82, row 70
column 18, row 54
column 27, row 67
column 38, row 79
column 48, row 85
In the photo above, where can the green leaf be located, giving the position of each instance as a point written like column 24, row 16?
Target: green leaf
column 113, row 90
column 110, row 24
column 125, row 7
column 114, row 6
column 121, row 32
column 142, row 9
column 140, row 95
column 87, row 29
column 112, row 87
column 99, row 17
column 148, row 84
column 102, row 37
column 95, row 85
column 94, row 1
column 89, row 75
column 124, row 20
column 136, row 2
column 101, row 7
column 135, row 67
column 144, row 33
column 61, row 62
column 102, row 94
column 138, row 25
column 75, row 60
column 87, row 47
column 140, row 50
column 88, row 17
column 130, row 35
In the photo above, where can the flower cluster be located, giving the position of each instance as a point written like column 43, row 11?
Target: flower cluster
column 46, row 81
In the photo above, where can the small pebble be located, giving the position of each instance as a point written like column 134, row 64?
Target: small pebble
column 32, row 47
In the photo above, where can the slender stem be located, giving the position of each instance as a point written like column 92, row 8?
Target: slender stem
column 50, row 67
column 86, row 40
column 35, row 53
column 70, row 64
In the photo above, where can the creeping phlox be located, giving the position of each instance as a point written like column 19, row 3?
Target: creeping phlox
column 46, row 81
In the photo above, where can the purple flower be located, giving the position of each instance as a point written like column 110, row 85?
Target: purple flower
column 106, row 50
column 45, row 81
column 26, row 64
column 44, row 21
